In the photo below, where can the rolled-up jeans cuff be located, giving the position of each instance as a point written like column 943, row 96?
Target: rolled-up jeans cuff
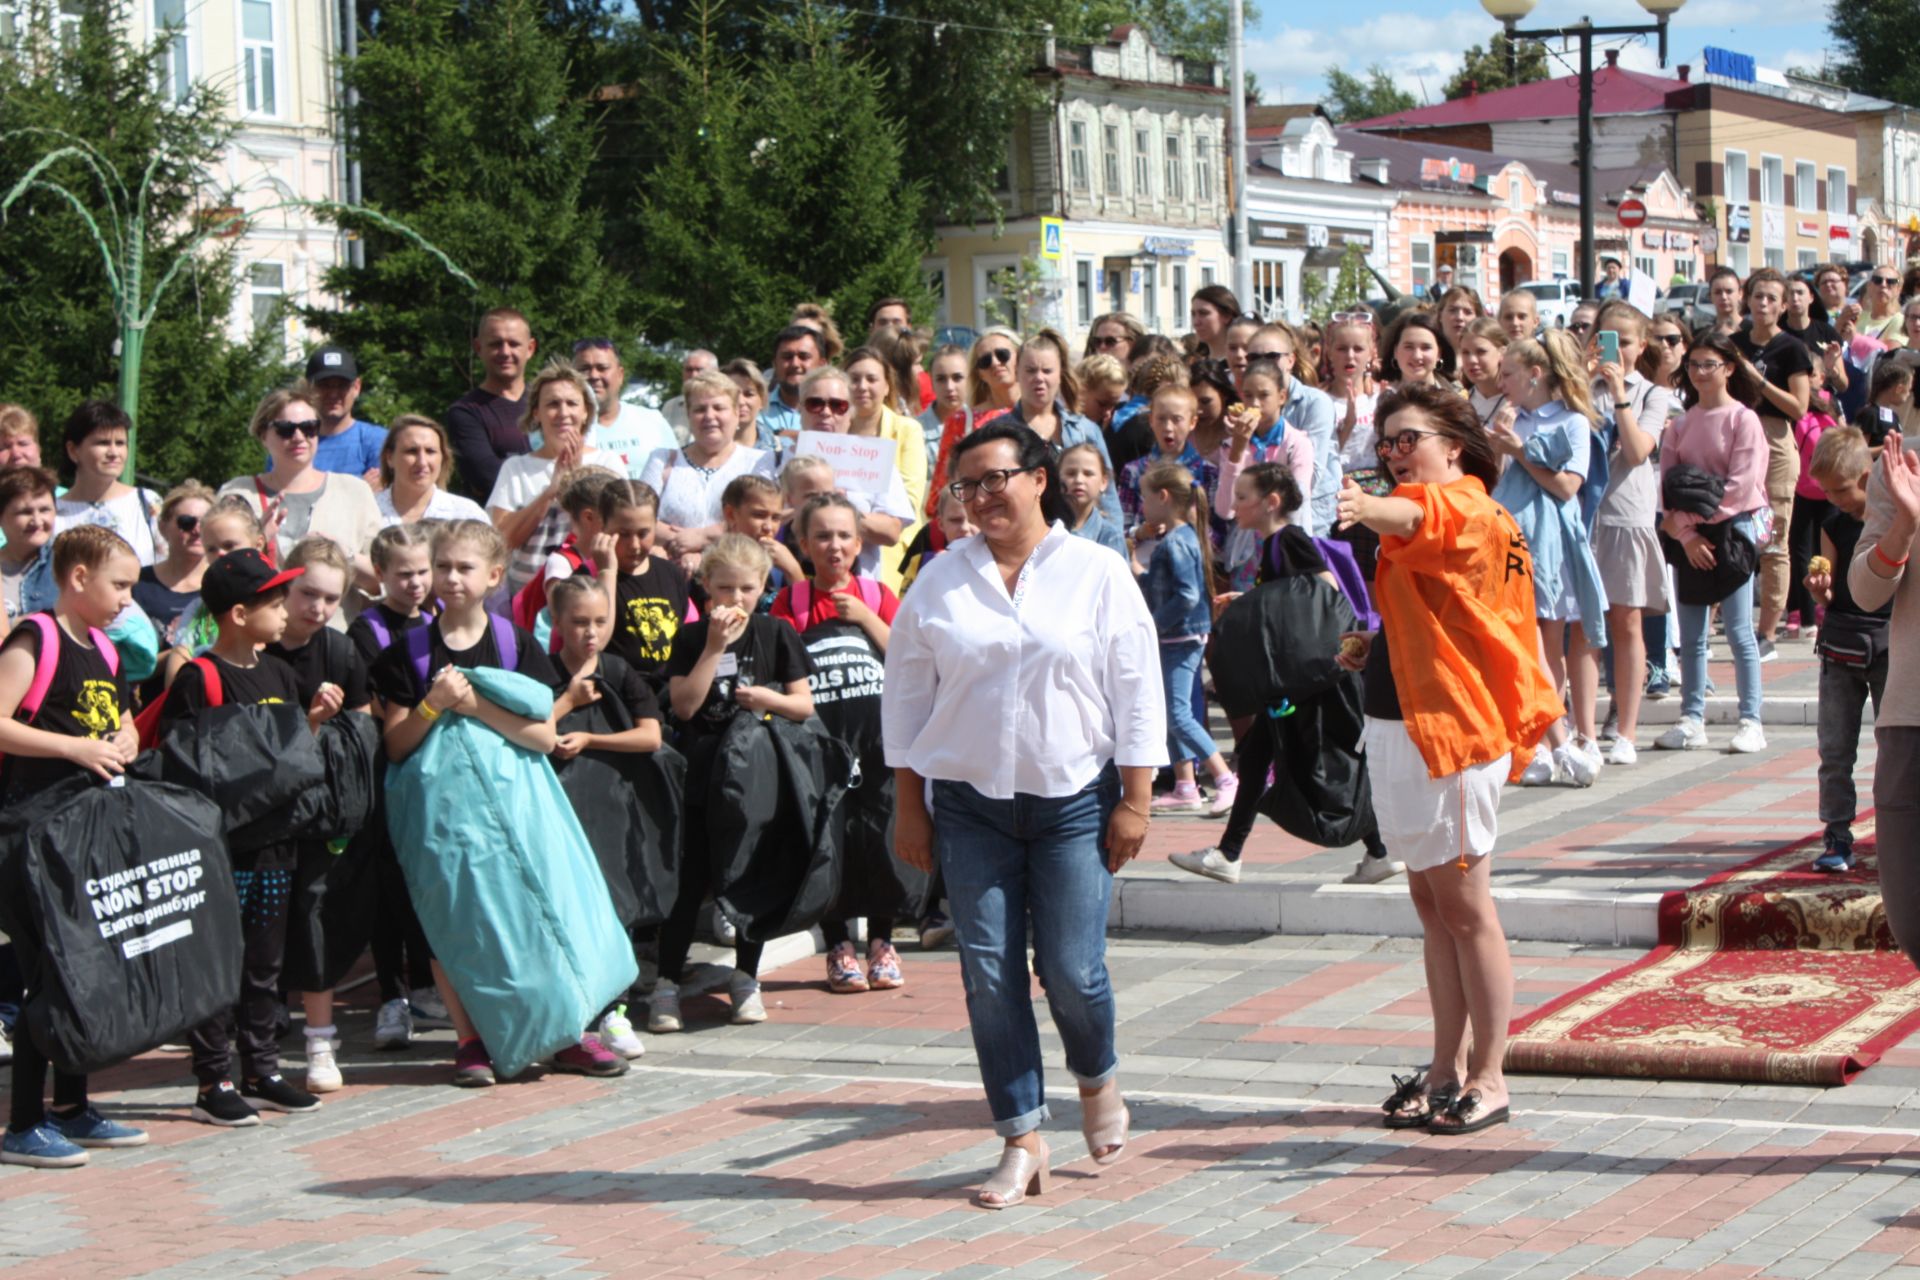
column 1023, row 1124
column 1095, row 1082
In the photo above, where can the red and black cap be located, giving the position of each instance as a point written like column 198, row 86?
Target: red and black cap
column 237, row 577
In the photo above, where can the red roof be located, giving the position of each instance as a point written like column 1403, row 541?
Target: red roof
column 1615, row 92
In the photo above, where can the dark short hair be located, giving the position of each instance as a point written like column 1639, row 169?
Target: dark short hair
column 1270, row 478
column 1221, row 299
column 1717, row 272
column 1451, row 414
column 1029, row 450
column 883, row 303
column 95, row 415
column 795, row 332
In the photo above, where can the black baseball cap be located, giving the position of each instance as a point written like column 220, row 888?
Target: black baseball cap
column 332, row 362
column 237, row 577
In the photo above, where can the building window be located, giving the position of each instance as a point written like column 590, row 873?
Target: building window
column 1207, row 276
column 69, row 17
column 1644, row 265
column 1773, row 181
column 1203, row 176
column 936, row 277
column 1806, row 187
column 1422, row 251
column 1150, row 298
column 1808, row 258
column 1516, row 195
column 266, row 288
column 1110, row 157
column 1077, row 157
column 259, row 87
column 1562, row 264
column 1740, row 258
column 1175, row 185
column 1083, row 290
column 1269, row 287
column 1179, row 294
column 1142, row 174
column 176, row 71
column 1777, row 259
column 1736, row 176
column 1837, row 209
column 1683, row 268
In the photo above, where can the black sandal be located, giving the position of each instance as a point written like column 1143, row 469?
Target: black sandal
column 1459, row 1115
column 1406, row 1090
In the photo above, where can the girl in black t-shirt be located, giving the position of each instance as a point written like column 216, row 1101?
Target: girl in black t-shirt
column 733, row 661
column 650, row 592
column 402, row 556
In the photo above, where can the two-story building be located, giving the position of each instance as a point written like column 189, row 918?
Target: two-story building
column 1304, row 208
column 1115, row 191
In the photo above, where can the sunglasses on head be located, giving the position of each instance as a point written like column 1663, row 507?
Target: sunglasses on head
column 1353, row 317
column 824, row 404
column 186, row 523
column 998, row 355
column 286, row 429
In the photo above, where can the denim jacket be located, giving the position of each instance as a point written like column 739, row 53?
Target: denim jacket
column 1077, row 430
column 1104, row 530
column 1176, row 586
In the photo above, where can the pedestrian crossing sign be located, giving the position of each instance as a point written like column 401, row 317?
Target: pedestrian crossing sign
column 1052, row 234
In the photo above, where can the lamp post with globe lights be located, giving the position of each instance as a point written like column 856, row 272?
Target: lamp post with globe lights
column 1510, row 12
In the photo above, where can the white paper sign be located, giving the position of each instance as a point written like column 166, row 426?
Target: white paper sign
column 861, row 464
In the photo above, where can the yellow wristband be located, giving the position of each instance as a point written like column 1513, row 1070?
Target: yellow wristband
column 427, row 711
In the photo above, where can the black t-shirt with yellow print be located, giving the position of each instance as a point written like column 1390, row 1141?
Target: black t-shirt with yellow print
column 650, row 608
column 269, row 681
column 85, row 700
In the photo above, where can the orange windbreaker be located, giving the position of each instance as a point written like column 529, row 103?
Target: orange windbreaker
column 1456, row 600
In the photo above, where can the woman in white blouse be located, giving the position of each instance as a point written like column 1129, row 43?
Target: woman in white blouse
column 415, row 463
column 691, row 479
column 1023, row 682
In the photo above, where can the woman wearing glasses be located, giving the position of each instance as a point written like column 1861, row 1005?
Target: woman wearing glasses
column 1023, row 683
column 828, row 404
column 1455, row 699
column 170, row 585
column 691, row 479
column 1720, row 435
column 96, row 444
column 1112, row 334
column 296, row 499
column 1883, row 318
column 991, row 391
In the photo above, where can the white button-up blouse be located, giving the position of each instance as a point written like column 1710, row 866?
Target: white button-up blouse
column 1032, row 697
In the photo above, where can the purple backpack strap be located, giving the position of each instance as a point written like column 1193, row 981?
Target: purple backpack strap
column 505, row 641
column 420, row 651
column 377, row 624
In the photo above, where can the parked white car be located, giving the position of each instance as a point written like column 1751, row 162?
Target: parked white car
column 1557, row 300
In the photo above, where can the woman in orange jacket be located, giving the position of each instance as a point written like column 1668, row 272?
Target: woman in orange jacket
column 1455, row 701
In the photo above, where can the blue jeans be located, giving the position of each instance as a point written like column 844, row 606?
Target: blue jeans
column 1695, row 621
column 1187, row 737
column 1001, row 860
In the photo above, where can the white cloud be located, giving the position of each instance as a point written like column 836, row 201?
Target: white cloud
column 1419, row 51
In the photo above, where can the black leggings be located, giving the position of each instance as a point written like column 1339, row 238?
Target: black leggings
column 30, row 1067
column 263, row 894
column 696, row 873
column 402, row 960
column 836, row 931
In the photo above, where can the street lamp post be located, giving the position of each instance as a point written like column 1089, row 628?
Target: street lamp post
column 1510, row 12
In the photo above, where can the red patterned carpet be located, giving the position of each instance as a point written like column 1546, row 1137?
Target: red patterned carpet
column 1770, row 972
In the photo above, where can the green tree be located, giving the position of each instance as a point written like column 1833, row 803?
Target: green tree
column 1485, row 69
column 469, row 130
column 1879, row 46
column 1352, row 98
column 783, row 180
column 57, row 323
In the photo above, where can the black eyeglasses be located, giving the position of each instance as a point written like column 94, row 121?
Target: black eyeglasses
column 989, row 481
column 1673, row 339
column 998, row 355
column 1888, row 281
column 186, row 523
column 1269, row 355
column 1400, row 444
column 822, row 404
column 1110, row 341
column 1705, row 366
column 286, row 429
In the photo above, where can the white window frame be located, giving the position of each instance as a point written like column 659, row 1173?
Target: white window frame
column 934, row 272
column 1737, row 192
column 1202, row 172
column 1150, row 294
column 1079, row 176
column 258, row 293
column 1207, row 275
column 985, row 266
column 1112, row 170
column 1837, row 210
column 1560, row 263
column 1740, row 258
column 1807, row 259
column 9, row 22
column 177, row 75
column 272, row 105
column 1086, row 292
column 1775, row 258
column 1645, row 264
column 1517, row 194
column 1806, row 186
column 1174, row 181
column 1773, row 181
column 67, row 17
column 1142, row 164
column 1420, row 259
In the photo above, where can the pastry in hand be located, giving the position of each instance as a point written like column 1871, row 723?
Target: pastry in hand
column 1818, row 566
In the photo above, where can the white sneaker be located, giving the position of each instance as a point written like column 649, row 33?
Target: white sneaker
column 1768, row 651
column 1623, row 752
column 663, row 1008
column 617, row 1034
column 744, row 988
column 1209, row 862
column 1748, row 738
column 723, row 931
column 1543, row 770
column 1580, row 761
column 429, row 1010
column 1373, row 871
column 1689, row 733
column 393, row 1025
column 323, row 1069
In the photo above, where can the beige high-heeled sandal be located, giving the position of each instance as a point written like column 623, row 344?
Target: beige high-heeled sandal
column 1104, row 1122
column 1020, row 1174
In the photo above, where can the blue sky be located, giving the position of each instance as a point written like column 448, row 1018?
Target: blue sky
column 1420, row 41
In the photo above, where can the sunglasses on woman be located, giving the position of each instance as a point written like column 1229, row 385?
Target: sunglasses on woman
column 824, row 404
column 1400, row 444
column 1886, row 282
column 1672, row 339
column 286, row 429
column 997, row 355
column 186, row 523
column 1353, row 317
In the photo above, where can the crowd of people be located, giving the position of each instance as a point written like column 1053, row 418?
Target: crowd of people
column 1004, row 610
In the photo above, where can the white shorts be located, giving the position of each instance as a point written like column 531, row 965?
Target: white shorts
column 1428, row 822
